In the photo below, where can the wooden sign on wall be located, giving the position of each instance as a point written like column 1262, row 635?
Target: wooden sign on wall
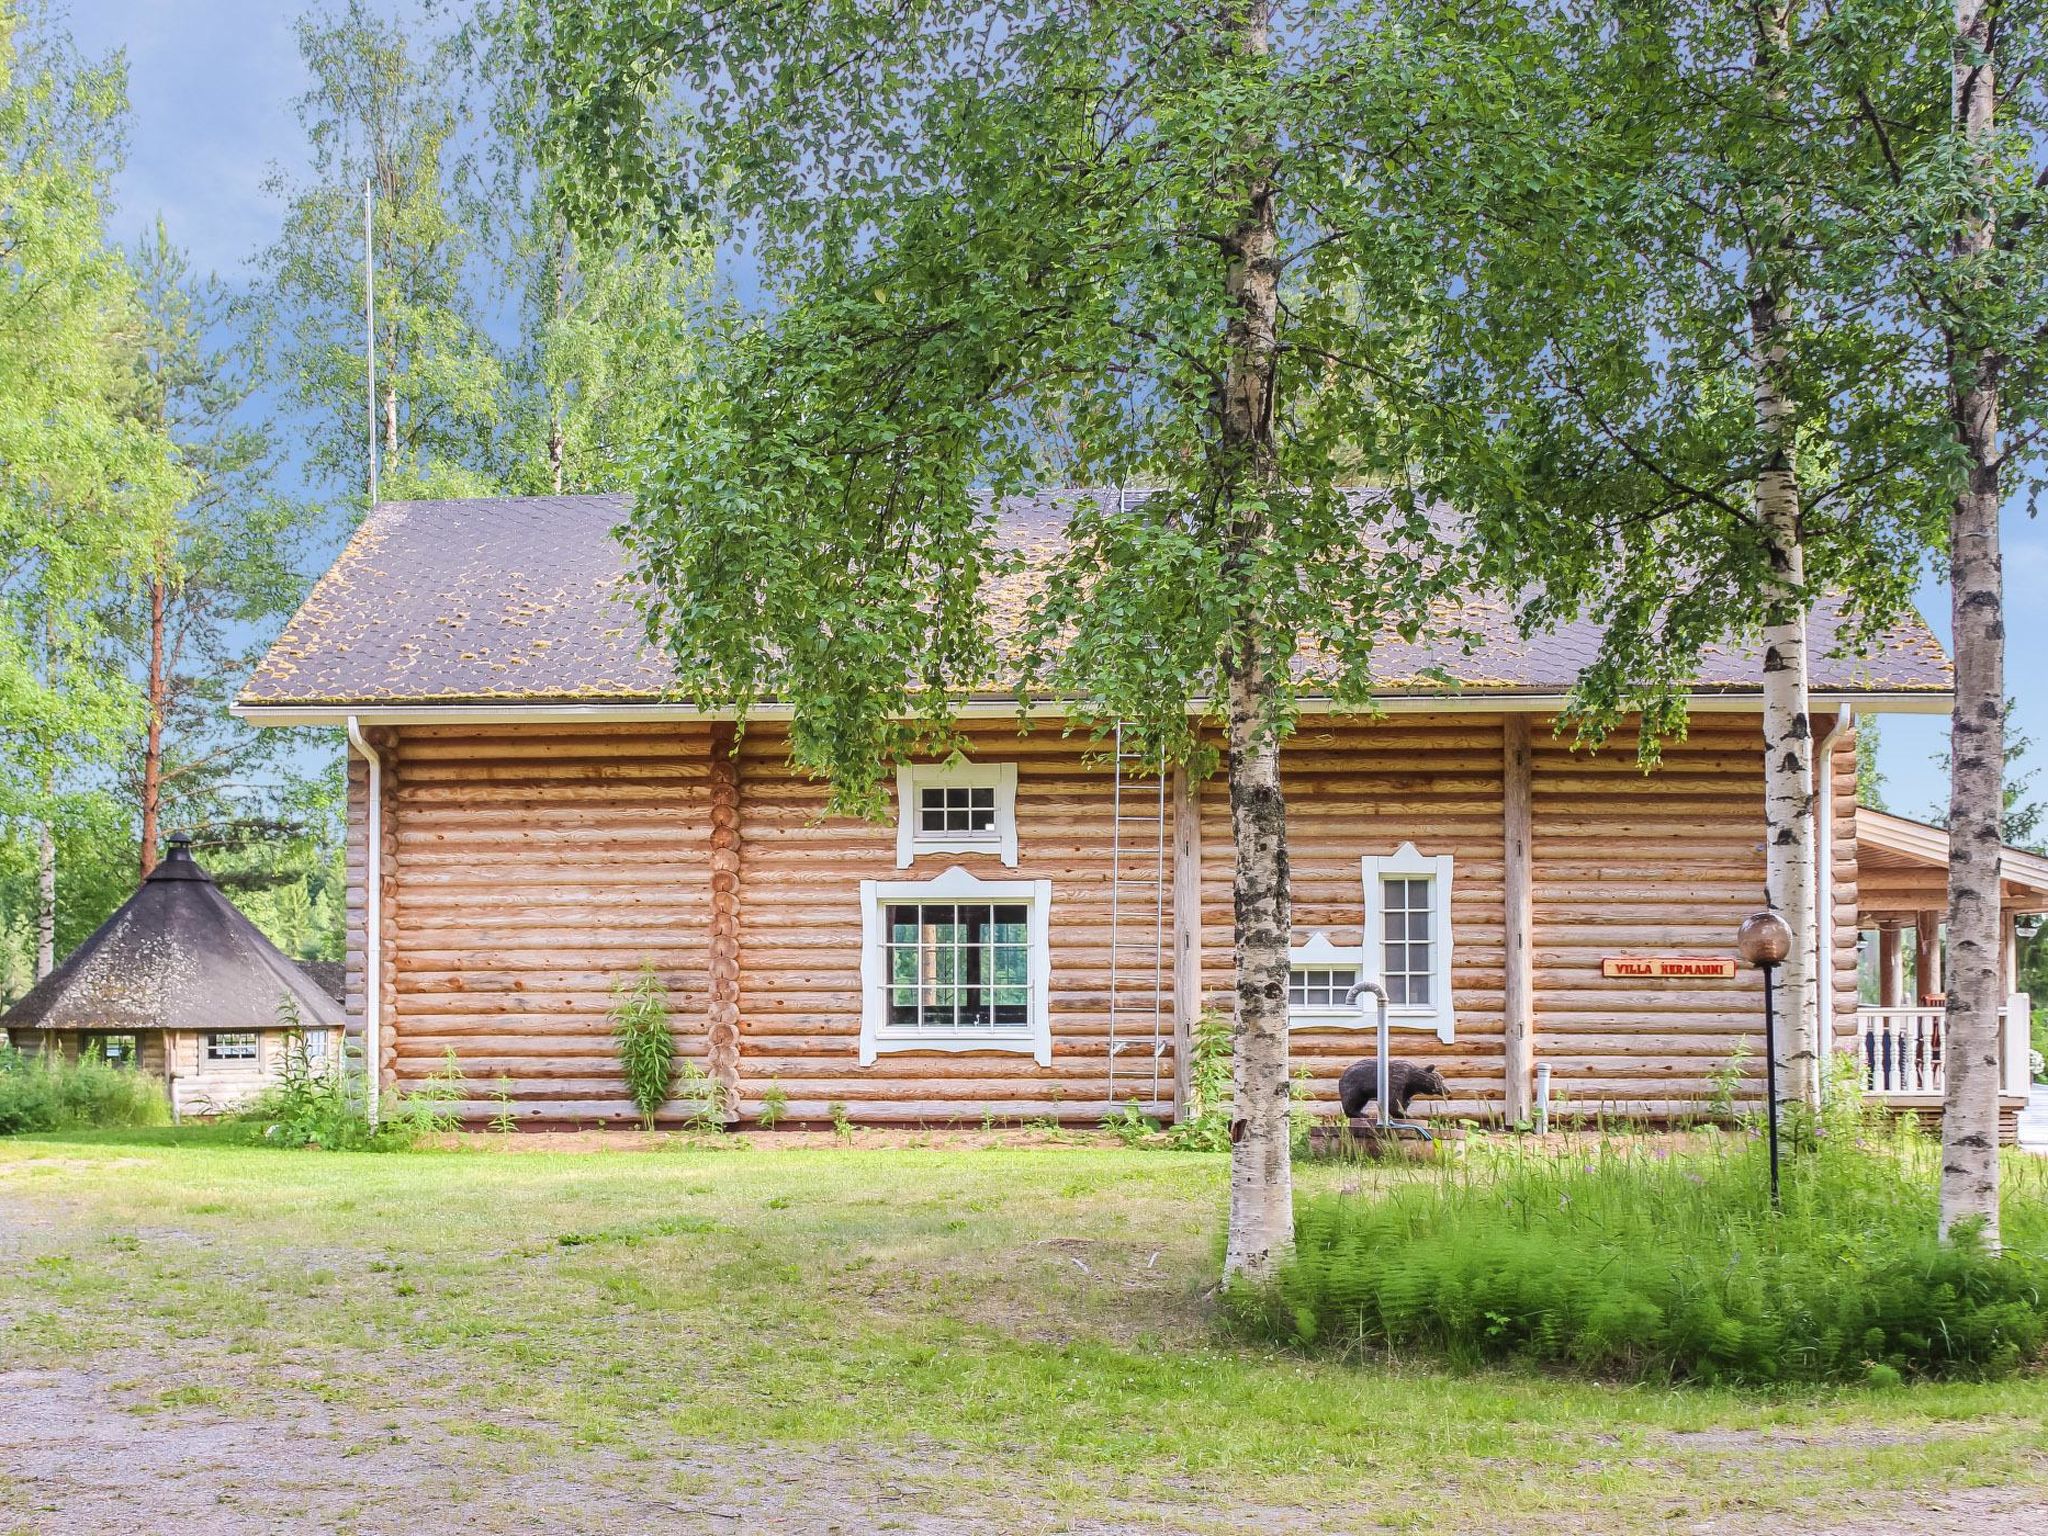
column 1668, row 967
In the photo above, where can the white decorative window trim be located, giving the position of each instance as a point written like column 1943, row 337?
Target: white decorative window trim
column 877, row 1036
column 911, row 778
column 1319, row 954
column 1440, row 1013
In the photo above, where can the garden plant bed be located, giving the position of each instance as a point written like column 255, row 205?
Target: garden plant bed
column 789, row 1335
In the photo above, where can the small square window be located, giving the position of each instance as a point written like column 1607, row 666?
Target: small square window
column 956, row 807
column 119, row 1050
column 1320, row 987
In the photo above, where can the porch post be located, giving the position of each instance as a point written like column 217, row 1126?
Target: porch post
column 1891, row 965
column 1927, row 984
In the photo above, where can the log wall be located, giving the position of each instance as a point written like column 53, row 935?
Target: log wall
column 800, row 943
column 530, row 868
column 1628, row 863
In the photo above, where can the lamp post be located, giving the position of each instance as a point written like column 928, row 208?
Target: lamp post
column 1764, row 940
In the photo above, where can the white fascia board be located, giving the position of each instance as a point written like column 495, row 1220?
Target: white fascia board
column 511, row 712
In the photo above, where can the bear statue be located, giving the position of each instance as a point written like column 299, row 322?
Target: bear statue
column 1406, row 1080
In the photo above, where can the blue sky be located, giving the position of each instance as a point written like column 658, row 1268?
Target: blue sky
column 213, row 81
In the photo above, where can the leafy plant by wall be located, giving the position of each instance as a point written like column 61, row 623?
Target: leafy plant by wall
column 646, row 1044
column 1206, row 1125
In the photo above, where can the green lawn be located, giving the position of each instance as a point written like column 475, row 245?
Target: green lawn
column 929, row 1339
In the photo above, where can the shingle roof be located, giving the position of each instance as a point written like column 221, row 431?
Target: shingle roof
column 529, row 599
column 175, row 955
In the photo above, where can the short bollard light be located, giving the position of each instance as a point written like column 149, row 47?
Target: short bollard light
column 1764, row 940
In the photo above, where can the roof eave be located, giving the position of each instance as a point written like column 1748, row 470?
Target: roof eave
column 510, row 711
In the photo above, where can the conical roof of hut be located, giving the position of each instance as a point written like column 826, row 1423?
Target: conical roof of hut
column 176, row 955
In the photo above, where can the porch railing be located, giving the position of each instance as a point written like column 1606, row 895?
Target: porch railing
column 1902, row 1049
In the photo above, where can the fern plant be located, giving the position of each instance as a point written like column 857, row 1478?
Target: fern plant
column 647, row 1047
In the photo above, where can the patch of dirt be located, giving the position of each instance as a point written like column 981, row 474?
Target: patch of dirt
column 1963, row 1512
column 89, row 1452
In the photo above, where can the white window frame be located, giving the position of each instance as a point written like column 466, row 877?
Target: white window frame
column 1319, row 954
column 877, row 1037
column 1439, row 1013
column 254, row 1037
column 914, row 778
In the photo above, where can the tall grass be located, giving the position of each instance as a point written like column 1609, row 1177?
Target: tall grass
column 1625, row 1259
column 47, row 1093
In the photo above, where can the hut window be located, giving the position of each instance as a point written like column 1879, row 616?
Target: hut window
column 956, row 963
column 1408, row 936
column 119, row 1049
column 956, row 807
column 236, row 1047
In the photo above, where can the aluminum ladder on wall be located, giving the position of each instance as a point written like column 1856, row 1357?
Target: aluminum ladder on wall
column 1137, row 912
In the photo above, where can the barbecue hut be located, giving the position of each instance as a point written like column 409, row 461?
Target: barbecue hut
column 180, row 983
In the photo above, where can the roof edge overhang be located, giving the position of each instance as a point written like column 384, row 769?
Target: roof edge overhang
column 626, row 711
column 2023, row 872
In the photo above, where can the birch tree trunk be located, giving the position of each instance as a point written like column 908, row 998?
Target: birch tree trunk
column 1789, row 865
column 46, row 899
column 1969, row 1125
column 157, row 702
column 1261, row 1178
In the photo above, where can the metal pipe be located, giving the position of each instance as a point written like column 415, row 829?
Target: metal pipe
column 1543, row 1098
column 1388, row 1121
column 373, row 919
column 1771, row 1075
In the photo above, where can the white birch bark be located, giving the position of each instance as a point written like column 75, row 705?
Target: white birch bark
column 1261, row 1178
column 1789, row 831
column 1969, row 1126
column 46, row 900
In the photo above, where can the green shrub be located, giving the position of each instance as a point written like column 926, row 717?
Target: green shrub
column 47, row 1093
column 647, row 1047
column 1621, row 1260
column 429, row 1110
column 1130, row 1124
column 314, row 1105
column 1206, row 1125
column 774, row 1105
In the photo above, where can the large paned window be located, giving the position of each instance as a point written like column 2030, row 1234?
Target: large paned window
column 1408, row 936
column 955, row 964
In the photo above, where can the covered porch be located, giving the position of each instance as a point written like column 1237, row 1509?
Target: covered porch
column 1902, row 895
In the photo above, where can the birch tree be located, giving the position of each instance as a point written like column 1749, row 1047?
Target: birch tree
column 84, row 485
column 1981, row 202
column 382, row 110
column 1016, row 246
column 1712, row 402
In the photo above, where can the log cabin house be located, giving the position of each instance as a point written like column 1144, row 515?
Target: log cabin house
column 534, row 815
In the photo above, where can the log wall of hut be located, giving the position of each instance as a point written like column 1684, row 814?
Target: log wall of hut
column 528, row 868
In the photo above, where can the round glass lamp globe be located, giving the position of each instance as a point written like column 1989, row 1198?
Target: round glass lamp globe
column 1764, row 939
